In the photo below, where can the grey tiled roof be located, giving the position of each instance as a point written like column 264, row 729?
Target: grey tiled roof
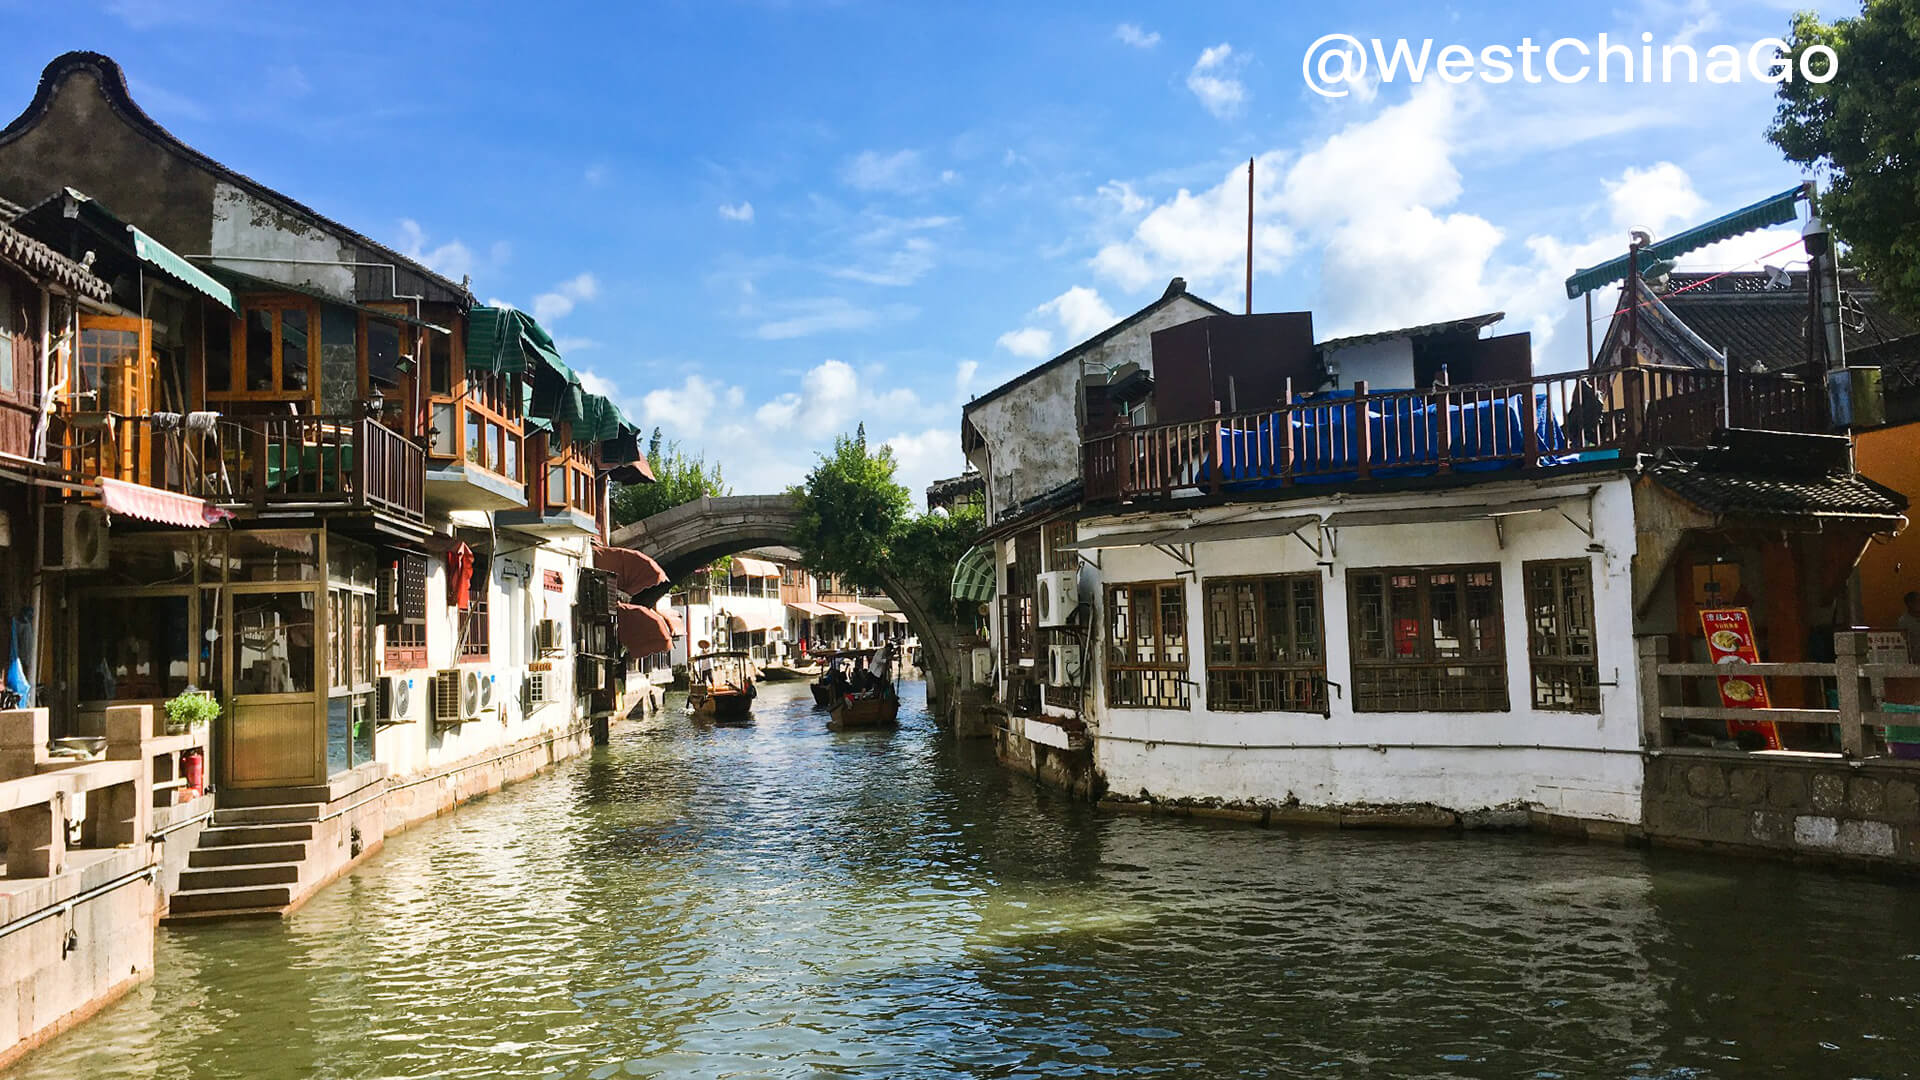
column 43, row 262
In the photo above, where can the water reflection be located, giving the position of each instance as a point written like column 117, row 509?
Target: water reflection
column 778, row 900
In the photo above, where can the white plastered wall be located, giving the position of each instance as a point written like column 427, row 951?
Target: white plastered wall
column 1580, row 765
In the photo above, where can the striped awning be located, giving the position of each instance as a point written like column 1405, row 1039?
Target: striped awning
column 158, row 506
column 973, row 576
column 1773, row 210
column 747, row 622
column 812, row 610
column 745, row 567
column 856, row 610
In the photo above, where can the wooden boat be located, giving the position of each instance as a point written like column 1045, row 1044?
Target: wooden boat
column 868, row 697
column 719, row 687
column 873, row 708
column 833, row 674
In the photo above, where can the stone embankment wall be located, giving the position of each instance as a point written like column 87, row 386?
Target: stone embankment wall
column 1819, row 808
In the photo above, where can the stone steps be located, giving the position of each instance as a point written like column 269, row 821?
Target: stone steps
column 245, row 855
column 280, row 813
column 232, row 835
column 240, row 877
column 207, row 901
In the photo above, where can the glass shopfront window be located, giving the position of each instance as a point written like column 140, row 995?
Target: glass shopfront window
column 273, row 642
column 135, row 648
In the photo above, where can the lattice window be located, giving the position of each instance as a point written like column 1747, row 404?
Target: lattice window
column 1560, row 638
column 1428, row 639
column 1147, row 645
column 1266, row 650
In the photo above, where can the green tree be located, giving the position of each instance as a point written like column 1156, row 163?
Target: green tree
column 851, row 510
column 1862, row 129
column 679, row 477
column 925, row 549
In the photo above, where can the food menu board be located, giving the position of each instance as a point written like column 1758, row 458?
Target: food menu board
column 1729, row 634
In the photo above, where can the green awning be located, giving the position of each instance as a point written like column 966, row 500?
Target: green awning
column 157, row 255
column 1774, row 210
column 973, row 575
column 502, row 339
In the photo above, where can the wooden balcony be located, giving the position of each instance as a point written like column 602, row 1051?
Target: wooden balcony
column 259, row 462
column 1548, row 422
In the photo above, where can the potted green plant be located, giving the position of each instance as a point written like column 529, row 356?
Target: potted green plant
column 191, row 710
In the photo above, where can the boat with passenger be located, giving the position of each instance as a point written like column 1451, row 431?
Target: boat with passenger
column 720, row 686
column 863, row 694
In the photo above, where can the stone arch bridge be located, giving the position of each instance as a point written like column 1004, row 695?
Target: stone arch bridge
column 694, row 534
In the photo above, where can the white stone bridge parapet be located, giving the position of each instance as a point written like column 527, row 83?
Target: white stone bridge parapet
column 693, row 534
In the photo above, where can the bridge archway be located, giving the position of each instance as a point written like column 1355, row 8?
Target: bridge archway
column 694, row 534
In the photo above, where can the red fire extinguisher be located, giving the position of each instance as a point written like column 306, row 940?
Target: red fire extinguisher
column 193, row 766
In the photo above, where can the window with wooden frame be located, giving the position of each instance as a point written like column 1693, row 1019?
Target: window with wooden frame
column 1561, row 651
column 1266, row 648
column 1019, row 619
column 275, row 351
column 569, row 473
column 491, row 437
column 475, row 627
column 1053, row 536
column 1427, row 639
column 1147, row 645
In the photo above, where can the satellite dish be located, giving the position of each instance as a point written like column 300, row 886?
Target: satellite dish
column 1777, row 277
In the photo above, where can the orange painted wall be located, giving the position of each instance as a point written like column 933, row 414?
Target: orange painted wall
column 1888, row 571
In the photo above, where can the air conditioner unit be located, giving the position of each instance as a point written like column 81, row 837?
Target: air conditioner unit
column 546, row 636
column 81, row 540
column 1063, row 665
column 447, row 699
column 476, row 694
column 533, row 691
column 395, row 704
column 1057, row 597
column 982, row 666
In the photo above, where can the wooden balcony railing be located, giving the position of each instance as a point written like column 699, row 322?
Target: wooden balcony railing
column 283, row 462
column 1547, row 422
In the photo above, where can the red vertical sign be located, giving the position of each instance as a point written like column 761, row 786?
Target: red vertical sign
column 1729, row 634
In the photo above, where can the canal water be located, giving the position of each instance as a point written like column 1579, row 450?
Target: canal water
column 781, row 901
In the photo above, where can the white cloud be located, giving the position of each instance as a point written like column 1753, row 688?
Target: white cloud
column 1031, row 342
column 925, row 456
column 684, row 409
column 741, row 211
column 803, row 318
column 1658, row 198
column 452, row 259
column 1215, row 81
column 1081, row 312
column 899, row 172
column 1132, row 34
column 559, row 302
column 1203, row 237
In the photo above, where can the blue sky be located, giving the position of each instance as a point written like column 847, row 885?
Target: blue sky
column 758, row 224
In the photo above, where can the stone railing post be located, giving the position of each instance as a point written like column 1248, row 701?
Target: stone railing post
column 37, row 839
column 1848, row 647
column 24, row 735
column 1653, row 730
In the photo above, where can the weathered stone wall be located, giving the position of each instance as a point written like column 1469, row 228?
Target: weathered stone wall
column 1819, row 808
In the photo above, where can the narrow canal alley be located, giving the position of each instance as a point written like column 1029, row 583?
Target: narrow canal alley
column 779, row 901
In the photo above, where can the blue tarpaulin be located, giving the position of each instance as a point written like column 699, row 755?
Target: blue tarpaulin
column 1403, row 437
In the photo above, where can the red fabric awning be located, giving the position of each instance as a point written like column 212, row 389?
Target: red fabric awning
column 634, row 572
column 158, row 506
column 674, row 622
column 643, row 630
